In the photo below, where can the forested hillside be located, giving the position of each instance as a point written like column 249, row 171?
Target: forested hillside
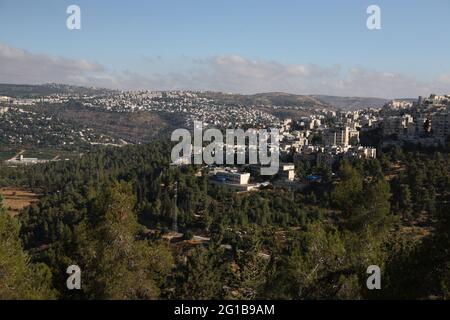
column 110, row 212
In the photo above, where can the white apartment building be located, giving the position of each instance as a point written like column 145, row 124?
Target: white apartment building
column 397, row 125
column 232, row 177
column 340, row 137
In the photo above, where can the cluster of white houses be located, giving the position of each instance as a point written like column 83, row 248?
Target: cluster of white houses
column 338, row 142
column 329, row 155
column 426, row 121
column 239, row 181
column 21, row 160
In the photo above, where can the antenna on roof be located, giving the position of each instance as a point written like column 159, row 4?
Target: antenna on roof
column 175, row 209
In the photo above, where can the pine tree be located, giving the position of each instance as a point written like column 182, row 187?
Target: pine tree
column 116, row 264
column 405, row 201
column 19, row 279
column 251, row 270
column 203, row 275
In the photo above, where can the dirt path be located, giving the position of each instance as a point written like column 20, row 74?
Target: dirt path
column 17, row 155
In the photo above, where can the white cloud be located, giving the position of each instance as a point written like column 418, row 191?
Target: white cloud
column 237, row 74
column 22, row 66
column 230, row 73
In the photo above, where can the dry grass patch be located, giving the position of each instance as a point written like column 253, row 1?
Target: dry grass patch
column 15, row 199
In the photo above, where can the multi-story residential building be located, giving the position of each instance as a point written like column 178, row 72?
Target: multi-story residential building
column 440, row 125
column 327, row 156
column 398, row 104
column 397, row 125
column 340, row 136
column 232, row 179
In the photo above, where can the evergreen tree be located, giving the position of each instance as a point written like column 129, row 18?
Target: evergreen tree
column 116, row 264
column 19, row 279
column 204, row 273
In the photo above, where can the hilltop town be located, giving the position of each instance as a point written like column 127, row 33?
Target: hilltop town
column 315, row 135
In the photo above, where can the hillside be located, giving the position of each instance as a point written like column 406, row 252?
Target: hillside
column 281, row 99
column 265, row 99
column 31, row 91
column 351, row 103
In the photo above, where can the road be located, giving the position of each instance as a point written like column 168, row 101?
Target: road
column 17, row 155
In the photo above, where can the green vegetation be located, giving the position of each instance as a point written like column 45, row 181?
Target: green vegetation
column 110, row 211
column 19, row 279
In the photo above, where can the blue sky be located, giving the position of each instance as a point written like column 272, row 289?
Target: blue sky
column 233, row 45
